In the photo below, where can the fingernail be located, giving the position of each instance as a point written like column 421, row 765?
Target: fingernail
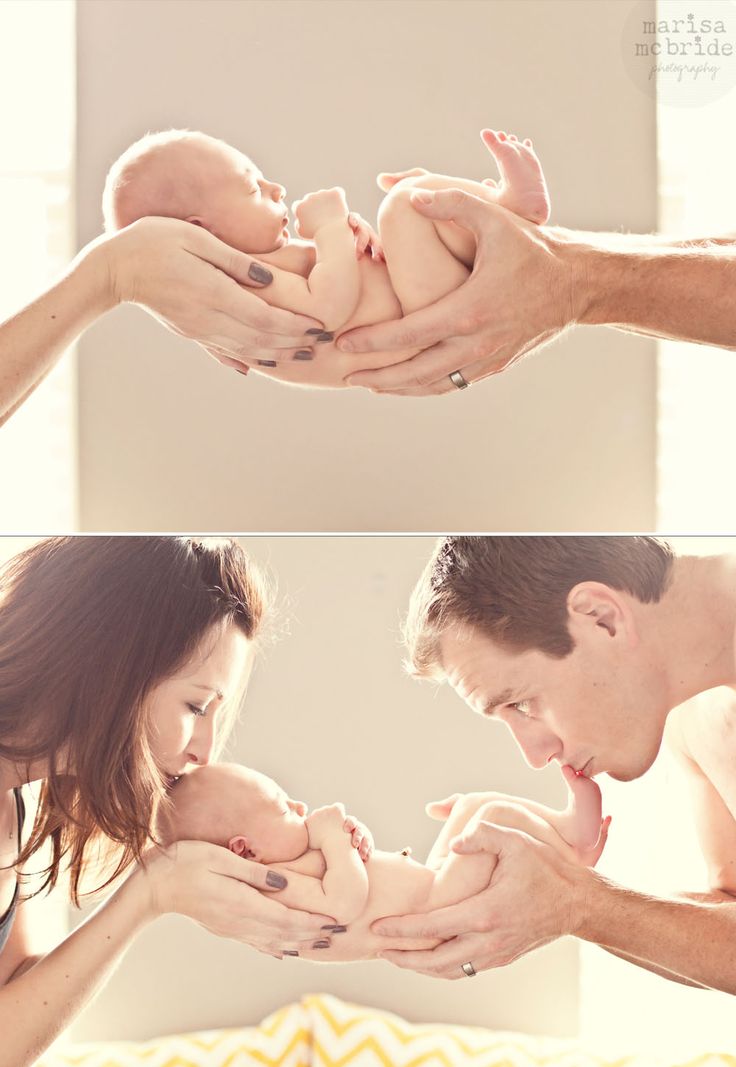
column 321, row 944
column 303, row 353
column 314, row 330
column 335, row 929
column 241, row 370
column 324, row 336
column 259, row 274
column 266, row 362
column 276, row 881
column 290, row 952
column 423, row 197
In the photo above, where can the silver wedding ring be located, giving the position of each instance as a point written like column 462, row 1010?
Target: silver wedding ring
column 459, row 382
column 469, row 970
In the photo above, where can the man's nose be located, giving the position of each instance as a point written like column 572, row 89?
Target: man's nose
column 538, row 745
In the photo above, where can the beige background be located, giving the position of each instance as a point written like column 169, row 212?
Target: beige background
column 322, row 93
column 331, row 714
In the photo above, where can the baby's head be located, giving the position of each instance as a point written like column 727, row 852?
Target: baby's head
column 238, row 808
column 186, row 175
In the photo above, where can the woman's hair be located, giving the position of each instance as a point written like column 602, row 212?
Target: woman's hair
column 89, row 626
column 514, row 589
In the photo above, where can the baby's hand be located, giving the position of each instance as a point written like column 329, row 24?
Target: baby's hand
column 366, row 238
column 361, row 837
column 318, row 209
column 324, row 821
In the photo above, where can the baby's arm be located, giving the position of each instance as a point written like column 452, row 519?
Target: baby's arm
column 343, row 890
column 331, row 291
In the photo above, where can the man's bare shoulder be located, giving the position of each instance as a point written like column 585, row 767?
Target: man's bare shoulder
column 702, row 735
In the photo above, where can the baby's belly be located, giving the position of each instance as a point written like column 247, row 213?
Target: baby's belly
column 399, row 886
column 330, row 367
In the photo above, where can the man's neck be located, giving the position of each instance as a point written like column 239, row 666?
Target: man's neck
column 696, row 626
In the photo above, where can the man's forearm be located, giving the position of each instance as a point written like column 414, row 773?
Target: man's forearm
column 687, row 939
column 682, row 290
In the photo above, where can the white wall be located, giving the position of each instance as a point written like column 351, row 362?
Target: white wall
column 331, row 715
column 322, row 93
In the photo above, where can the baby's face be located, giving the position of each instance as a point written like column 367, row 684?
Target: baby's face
column 242, row 208
column 273, row 824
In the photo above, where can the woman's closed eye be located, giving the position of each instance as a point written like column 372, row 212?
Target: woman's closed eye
column 196, row 710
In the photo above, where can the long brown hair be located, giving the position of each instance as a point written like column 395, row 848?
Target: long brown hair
column 88, row 627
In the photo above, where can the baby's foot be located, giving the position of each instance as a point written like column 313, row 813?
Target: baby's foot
column 581, row 823
column 522, row 188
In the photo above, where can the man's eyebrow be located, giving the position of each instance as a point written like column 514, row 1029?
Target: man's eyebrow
column 490, row 706
column 210, row 689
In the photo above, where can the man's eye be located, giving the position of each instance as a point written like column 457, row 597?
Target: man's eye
column 196, row 710
column 523, row 707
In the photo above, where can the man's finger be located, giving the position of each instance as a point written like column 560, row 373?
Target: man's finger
column 433, row 366
column 453, row 205
column 440, row 809
column 442, row 923
column 484, row 837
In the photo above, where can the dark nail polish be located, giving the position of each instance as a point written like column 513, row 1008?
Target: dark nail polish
column 314, row 330
column 321, row 944
column 303, row 353
column 290, row 952
column 259, row 273
column 335, row 929
column 276, row 881
column 325, row 336
column 266, row 362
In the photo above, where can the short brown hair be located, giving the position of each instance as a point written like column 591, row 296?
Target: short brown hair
column 88, row 627
column 514, row 589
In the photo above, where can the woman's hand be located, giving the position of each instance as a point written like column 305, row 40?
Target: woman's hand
column 193, row 283
column 224, row 894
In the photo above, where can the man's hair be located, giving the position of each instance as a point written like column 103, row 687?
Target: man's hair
column 514, row 589
column 157, row 175
column 89, row 627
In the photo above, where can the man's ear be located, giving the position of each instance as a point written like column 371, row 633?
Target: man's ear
column 593, row 604
column 241, row 847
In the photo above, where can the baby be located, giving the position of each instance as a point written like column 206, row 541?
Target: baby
column 243, row 810
column 414, row 262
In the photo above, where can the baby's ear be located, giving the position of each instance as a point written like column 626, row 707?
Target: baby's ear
column 195, row 220
column 241, row 847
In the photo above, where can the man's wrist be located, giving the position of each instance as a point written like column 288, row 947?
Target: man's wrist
column 582, row 267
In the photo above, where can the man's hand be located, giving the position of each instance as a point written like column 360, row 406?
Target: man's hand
column 193, row 283
column 520, row 295
column 535, row 896
column 319, row 209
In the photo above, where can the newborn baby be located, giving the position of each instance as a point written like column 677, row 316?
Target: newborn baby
column 243, row 810
column 415, row 261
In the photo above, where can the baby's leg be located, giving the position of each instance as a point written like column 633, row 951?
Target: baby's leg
column 428, row 259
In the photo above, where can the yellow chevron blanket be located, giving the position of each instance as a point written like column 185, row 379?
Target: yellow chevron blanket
column 324, row 1031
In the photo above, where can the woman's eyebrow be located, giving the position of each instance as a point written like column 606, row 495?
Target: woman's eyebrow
column 210, row 689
